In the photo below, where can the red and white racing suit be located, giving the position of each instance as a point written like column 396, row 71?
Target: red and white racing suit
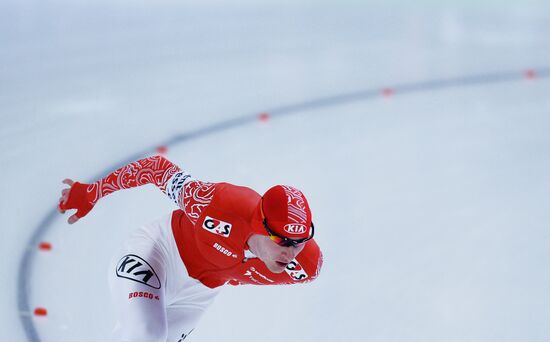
column 169, row 271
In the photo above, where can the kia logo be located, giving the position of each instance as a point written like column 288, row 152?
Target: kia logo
column 295, row 228
column 135, row 268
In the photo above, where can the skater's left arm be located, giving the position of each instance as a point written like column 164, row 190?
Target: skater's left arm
column 155, row 170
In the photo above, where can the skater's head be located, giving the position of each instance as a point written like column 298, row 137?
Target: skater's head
column 286, row 226
column 286, row 215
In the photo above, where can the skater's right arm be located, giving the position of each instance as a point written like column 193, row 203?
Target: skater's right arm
column 155, row 170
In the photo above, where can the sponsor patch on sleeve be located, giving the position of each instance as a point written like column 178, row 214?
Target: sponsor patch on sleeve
column 135, row 268
column 175, row 184
column 296, row 271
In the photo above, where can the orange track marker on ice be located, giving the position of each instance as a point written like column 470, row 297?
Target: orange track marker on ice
column 45, row 246
column 264, row 117
column 162, row 149
column 40, row 312
column 530, row 74
column 388, row 92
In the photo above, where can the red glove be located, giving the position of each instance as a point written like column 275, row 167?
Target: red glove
column 77, row 197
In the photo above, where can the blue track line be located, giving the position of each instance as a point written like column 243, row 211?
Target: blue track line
column 24, row 276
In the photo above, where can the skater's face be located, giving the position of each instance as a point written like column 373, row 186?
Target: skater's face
column 274, row 256
column 276, row 251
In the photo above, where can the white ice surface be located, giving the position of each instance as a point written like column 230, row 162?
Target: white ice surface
column 431, row 208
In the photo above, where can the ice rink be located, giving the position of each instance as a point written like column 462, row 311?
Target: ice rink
column 419, row 132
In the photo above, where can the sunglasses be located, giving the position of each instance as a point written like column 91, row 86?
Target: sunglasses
column 284, row 241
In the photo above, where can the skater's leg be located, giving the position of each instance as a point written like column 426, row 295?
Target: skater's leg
column 183, row 318
column 137, row 277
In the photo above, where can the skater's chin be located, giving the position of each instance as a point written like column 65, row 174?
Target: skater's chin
column 276, row 267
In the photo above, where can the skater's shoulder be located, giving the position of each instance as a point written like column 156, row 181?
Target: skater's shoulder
column 237, row 193
column 311, row 259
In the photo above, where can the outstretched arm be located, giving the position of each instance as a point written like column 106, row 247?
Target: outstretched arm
column 155, row 170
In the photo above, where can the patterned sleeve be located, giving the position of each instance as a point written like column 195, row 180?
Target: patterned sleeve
column 192, row 196
column 155, row 170
column 189, row 194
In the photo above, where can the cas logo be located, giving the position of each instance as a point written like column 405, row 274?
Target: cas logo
column 296, row 271
column 294, row 228
column 216, row 226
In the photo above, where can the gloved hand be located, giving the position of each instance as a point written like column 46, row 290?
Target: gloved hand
column 76, row 197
